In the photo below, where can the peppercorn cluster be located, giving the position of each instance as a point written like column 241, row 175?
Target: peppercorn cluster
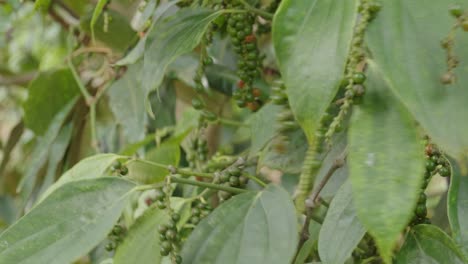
column 115, row 237
column 353, row 82
column 244, row 41
column 199, row 211
column 231, row 177
column 198, row 151
column 119, row 168
column 170, row 239
column 435, row 163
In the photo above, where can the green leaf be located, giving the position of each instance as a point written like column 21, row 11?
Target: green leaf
column 249, row 228
column 341, row 228
column 457, row 204
column 312, row 40
column 56, row 154
column 263, row 127
column 386, row 164
column 49, row 93
column 412, row 62
column 41, row 152
column 429, row 244
column 173, row 37
column 67, row 224
column 168, row 153
column 96, row 13
column 119, row 34
column 89, row 168
column 161, row 11
column 141, row 244
column 125, row 100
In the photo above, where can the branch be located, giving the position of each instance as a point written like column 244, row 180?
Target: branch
column 20, row 80
column 338, row 163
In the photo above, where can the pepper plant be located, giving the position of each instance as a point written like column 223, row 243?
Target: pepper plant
column 234, row 131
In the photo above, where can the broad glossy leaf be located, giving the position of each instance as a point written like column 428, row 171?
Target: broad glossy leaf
column 429, row 244
column 412, row 62
column 141, row 244
column 41, row 152
column 67, row 224
column 341, row 230
column 386, row 164
column 89, row 168
column 125, row 97
column 263, row 127
column 168, row 153
column 56, row 154
column 137, row 52
column 174, row 36
column 118, row 36
column 457, row 204
column 312, row 40
column 48, row 94
column 248, row 228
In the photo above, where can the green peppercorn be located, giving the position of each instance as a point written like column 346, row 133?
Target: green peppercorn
column 210, row 116
column 444, row 172
column 175, row 217
column 178, row 259
column 171, row 224
column 124, row 170
column 162, row 229
column 164, row 252
column 197, row 104
column 110, row 246
column 422, row 198
column 170, row 234
column 430, row 165
column 421, row 210
column 456, row 10
column 234, row 181
column 161, row 204
column 166, row 246
column 117, row 230
column 162, row 237
column 359, row 78
column 116, row 165
column 234, row 171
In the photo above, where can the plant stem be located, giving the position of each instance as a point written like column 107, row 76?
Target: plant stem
column 338, row 163
column 231, row 122
column 149, row 186
column 92, row 123
column 256, row 10
column 194, row 173
column 255, row 179
column 208, row 185
column 87, row 96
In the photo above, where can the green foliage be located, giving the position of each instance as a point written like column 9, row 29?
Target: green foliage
column 261, row 228
column 379, row 169
column 60, row 228
column 188, row 131
column 307, row 34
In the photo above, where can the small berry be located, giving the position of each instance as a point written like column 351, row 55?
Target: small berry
column 444, row 172
column 110, row 246
column 170, row 234
column 195, row 220
column 234, row 181
column 197, row 103
column 359, row 78
column 117, row 230
column 422, row 198
column 447, row 78
column 175, row 217
column 161, row 204
column 430, row 165
column 164, row 252
column 116, row 165
column 124, row 170
column 162, row 229
column 234, row 171
column 421, row 210
column 195, row 211
column 166, row 245
column 178, row 259
column 456, row 10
